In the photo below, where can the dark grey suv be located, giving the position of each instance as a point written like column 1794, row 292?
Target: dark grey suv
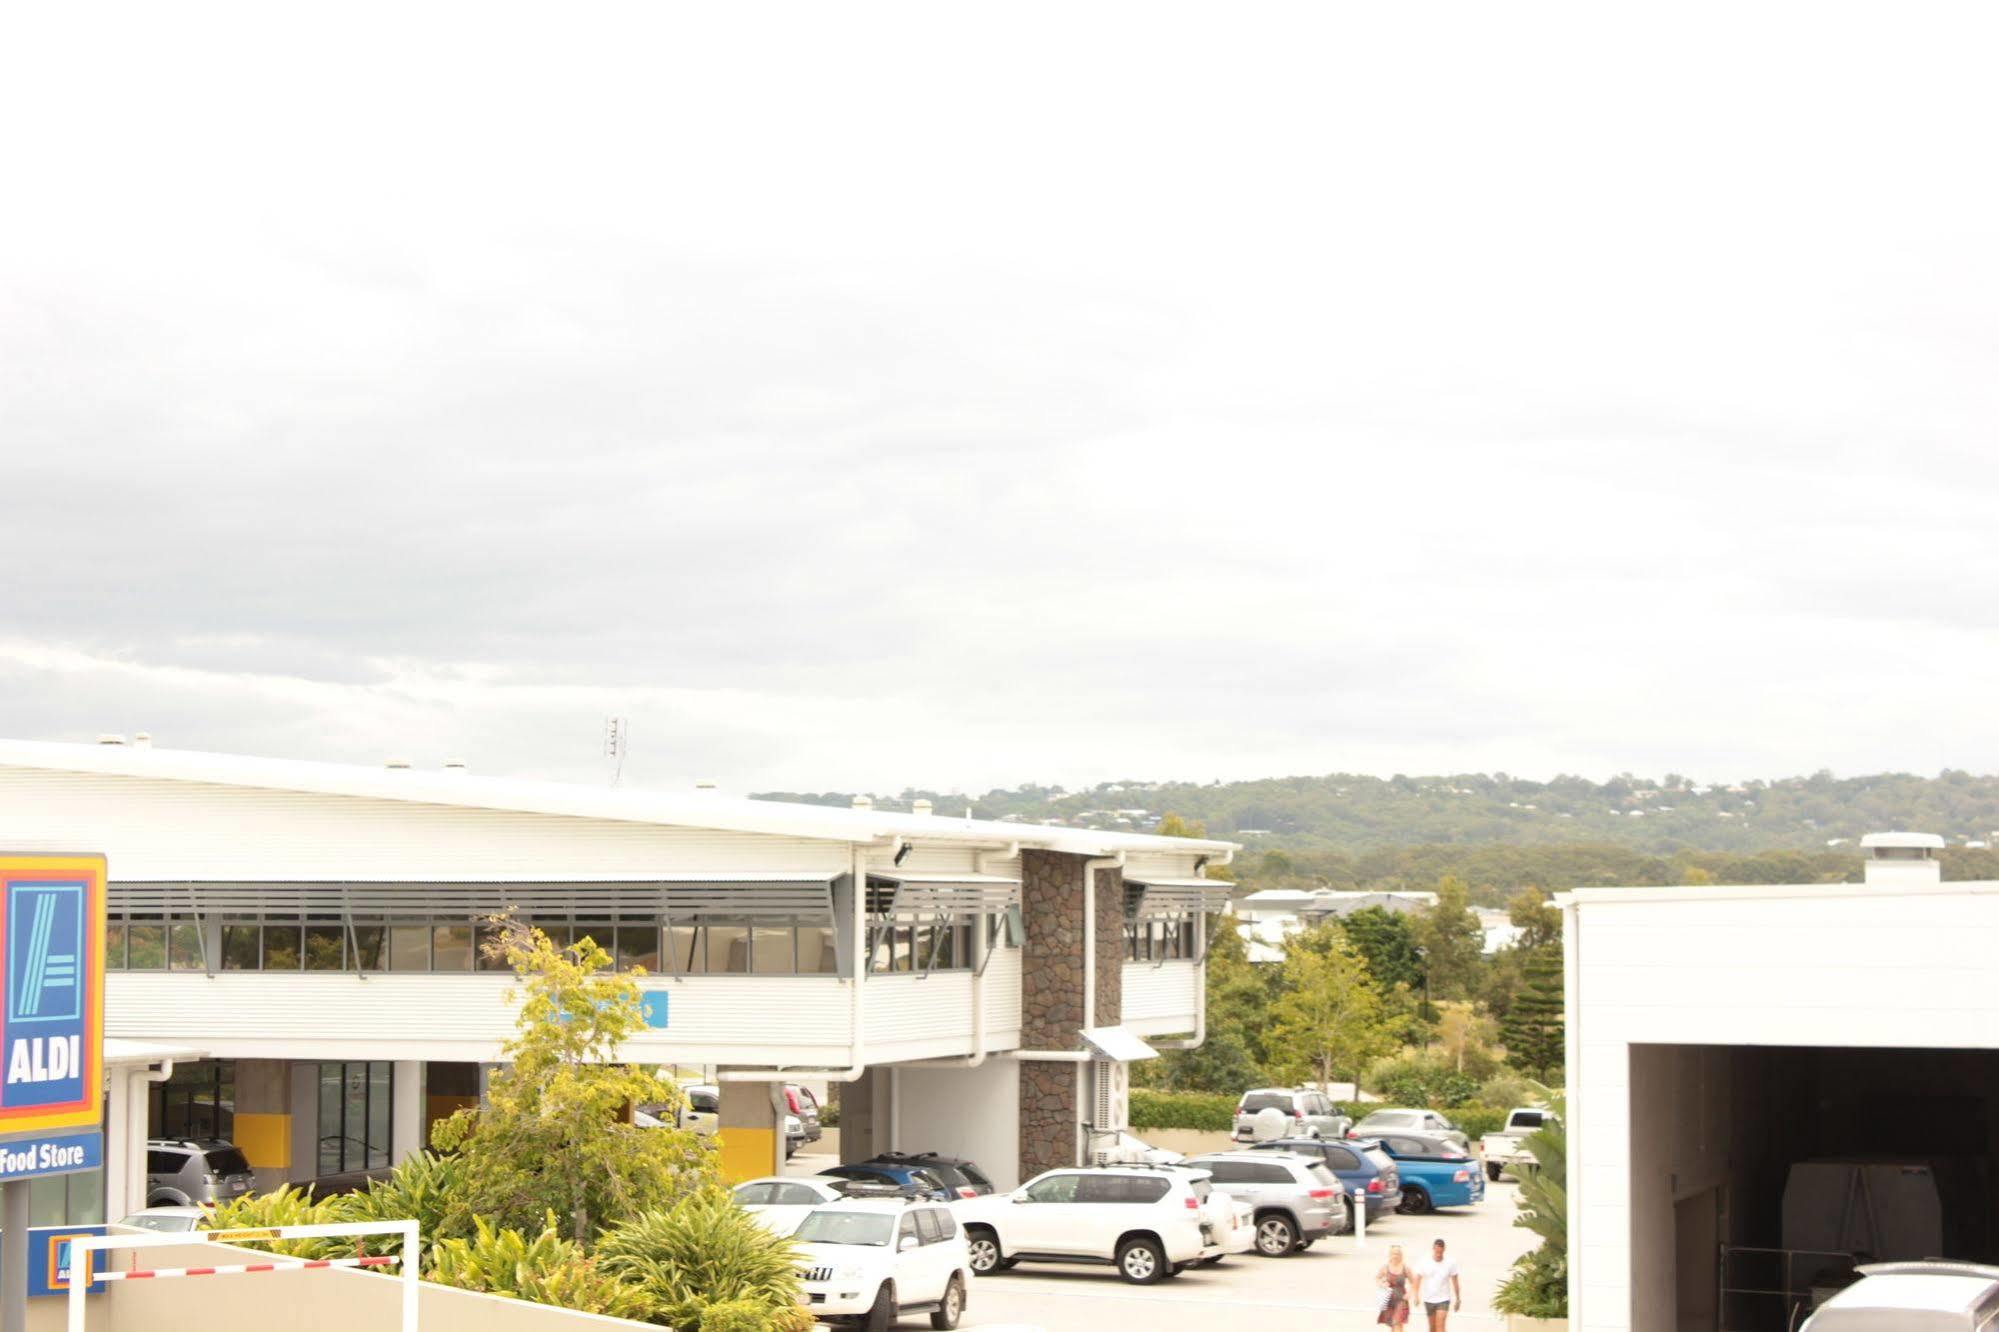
column 182, row 1172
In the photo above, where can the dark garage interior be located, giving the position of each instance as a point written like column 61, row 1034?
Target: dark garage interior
column 1761, row 1175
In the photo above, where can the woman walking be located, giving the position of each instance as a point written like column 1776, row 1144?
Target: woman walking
column 1395, row 1280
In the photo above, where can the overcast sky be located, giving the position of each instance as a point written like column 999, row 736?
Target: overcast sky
column 954, row 395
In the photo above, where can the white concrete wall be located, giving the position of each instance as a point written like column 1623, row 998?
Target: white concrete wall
column 968, row 1112
column 1838, row 965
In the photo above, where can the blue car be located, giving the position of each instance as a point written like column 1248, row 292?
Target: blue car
column 912, row 1181
column 1362, row 1167
column 1436, row 1172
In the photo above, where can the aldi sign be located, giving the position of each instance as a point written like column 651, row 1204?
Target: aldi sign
column 51, row 1013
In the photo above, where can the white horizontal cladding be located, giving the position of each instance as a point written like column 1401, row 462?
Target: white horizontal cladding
column 768, row 1020
column 1161, row 997
column 157, row 829
column 1003, row 1000
column 918, row 1017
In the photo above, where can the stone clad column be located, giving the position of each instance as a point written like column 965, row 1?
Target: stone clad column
column 1051, row 999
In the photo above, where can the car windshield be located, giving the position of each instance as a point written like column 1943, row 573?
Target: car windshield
column 1256, row 1101
column 1389, row 1119
column 227, row 1161
column 846, row 1228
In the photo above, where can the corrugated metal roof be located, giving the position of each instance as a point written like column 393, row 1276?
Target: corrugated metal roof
column 618, row 804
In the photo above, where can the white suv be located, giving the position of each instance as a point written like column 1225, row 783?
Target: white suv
column 1147, row 1221
column 871, row 1262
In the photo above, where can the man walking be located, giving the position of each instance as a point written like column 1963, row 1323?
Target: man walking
column 1442, row 1296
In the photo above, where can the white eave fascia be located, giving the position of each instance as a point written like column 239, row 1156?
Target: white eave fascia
column 569, row 800
column 1775, row 891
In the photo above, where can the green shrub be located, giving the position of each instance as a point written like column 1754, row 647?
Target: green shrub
column 1511, row 1089
column 1427, row 1081
column 286, row 1206
column 1476, row 1120
column 427, row 1188
column 751, row 1316
column 702, row 1251
column 546, row 1270
column 829, row 1115
column 1208, row 1112
column 1537, row 1287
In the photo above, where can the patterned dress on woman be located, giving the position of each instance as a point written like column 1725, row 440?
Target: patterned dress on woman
column 1395, row 1312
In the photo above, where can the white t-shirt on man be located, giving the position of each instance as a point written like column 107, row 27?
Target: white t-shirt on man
column 1437, row 1278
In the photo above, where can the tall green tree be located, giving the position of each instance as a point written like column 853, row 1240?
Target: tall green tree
column 1329, row 1019
column 1452, row 940
column 1532, row 1030
column 556, row 1133
column 1388, row 941
column 1239, row 995
column 1538, row 920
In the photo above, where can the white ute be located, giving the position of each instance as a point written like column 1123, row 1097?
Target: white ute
column 868, row 1263
column 1504, row 1148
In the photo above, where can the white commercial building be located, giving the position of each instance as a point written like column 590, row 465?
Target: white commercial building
column 1768, row 1084
column 315, row 929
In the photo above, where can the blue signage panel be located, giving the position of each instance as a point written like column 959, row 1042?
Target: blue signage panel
column 652, row 1006
column 49, row 1263
column 51, row 1153
column 51, row 1004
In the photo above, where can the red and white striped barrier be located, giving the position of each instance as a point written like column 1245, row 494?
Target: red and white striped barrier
column 82, row 1270
column 236, row 1269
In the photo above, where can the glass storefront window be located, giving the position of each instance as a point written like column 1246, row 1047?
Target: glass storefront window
column 356, row 1111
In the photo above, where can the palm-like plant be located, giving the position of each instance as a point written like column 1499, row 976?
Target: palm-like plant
column 704, row 1251
column 1538, row 1286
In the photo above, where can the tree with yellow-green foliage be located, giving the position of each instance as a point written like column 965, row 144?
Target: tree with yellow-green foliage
column 556, row 1133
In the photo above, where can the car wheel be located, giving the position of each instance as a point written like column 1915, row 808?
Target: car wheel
column 1414, row 1201
column 1276, row 1236
column 952, row 1308
column 1493, row 1170
column 1141, row 1261
column 881, row 1315
column 983, row 1246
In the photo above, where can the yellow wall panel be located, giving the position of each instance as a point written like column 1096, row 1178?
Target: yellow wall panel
column 266, row 1140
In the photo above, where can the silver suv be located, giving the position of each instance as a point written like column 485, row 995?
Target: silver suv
column 1296, row 1201
column 182, row 1172
column 1309, row 1114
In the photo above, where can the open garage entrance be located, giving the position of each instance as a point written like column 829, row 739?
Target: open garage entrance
column 1760, row 1175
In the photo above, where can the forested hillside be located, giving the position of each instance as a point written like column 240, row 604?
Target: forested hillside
column 1498, row 832
column 1348, row 813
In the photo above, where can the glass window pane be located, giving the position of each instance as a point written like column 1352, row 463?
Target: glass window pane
column 683, row 951
column 409, row 948
column 451, row 948
column 329, row 1119
column 638, row 946
column 114, row 945
column 325, row 947
column 487, row 954
column 367, row 942
column 353, row 1140
column 771, row 952
column 239, row 947
column 184, row 944
column 380, row 1089
column 599, row 932
column 560, row 935
column 728, row 947
column 905, row 948
column 281, row 947
column 815, row 950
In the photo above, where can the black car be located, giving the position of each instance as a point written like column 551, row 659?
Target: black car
column 962, row 1177
column 1362, row 1167
column 911, row 1181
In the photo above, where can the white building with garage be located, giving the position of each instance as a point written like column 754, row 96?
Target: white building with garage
column 1771, row 1083
column 314, row 929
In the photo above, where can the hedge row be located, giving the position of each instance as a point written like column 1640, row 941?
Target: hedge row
column 1214, row 1112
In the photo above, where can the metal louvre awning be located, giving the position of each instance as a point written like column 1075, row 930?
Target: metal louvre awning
column 1173, row 897
column 942, row 894
column 746, row 895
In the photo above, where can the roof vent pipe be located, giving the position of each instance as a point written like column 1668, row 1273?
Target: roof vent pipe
column 920, row 807
column 109, row 739
column 704, row 785
column 864, row 802
column 454, row 765
column 142, row 740
column 1902, row 859
column 399, row 764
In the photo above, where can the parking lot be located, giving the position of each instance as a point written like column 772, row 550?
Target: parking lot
column 1328, row 1288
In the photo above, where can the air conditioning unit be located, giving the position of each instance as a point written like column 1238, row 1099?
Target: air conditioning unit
column 1110, row 1096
